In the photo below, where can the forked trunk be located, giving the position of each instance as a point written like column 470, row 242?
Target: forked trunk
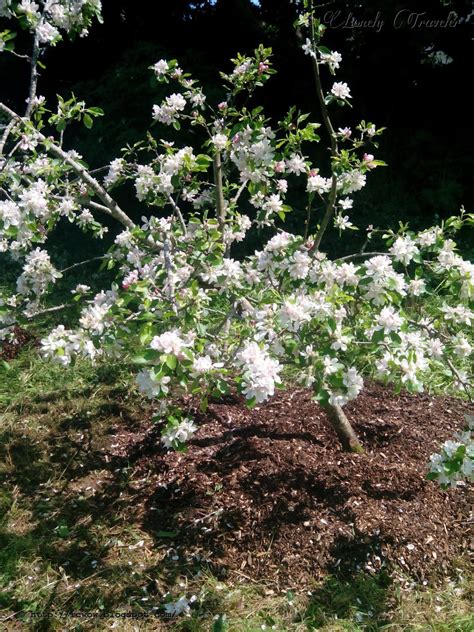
column 343, row 428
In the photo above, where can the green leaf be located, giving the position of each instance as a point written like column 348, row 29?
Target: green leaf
column 171, row 361
column 322, row 397
column 146, row 357
column 189, row 354
column 88, row 121
column 167, row 534
column 378, row 335
column 251, row 403
column 62, row 531
column 146, row 334
column 139, row 359
column 220, row 624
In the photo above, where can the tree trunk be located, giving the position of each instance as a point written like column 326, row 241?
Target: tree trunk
column 343, row 428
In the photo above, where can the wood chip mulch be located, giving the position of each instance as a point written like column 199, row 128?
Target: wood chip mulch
column 268, row 494
column 11, row 347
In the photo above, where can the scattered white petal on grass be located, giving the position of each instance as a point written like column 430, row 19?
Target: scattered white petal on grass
column 182, row 606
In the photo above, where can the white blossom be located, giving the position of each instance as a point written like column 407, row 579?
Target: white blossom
column 150, row 385
column 404, row 249
column 171, row 342
column 341, row 90
column 170, row 437
column 260, row 372
column 389, row 320
column 296, row 164
column 219, row 141
column 332, row 59
column 318, row 184
column 161, row 67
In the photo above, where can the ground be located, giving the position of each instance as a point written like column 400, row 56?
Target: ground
column 264, row 518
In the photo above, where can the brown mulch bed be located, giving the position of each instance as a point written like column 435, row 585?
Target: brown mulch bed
column 268, row 494
column 9, row 349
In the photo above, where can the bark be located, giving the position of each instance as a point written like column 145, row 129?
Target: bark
column 343, row 428
column 220, row 202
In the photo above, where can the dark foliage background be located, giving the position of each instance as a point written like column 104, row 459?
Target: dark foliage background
column 385, row 48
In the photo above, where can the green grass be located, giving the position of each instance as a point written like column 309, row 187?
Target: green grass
column 71, row 538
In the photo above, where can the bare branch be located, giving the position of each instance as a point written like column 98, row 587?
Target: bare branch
column 220, row 203
column 357, row 255
column 33, row 75
column 5, row 135
column 177, row 211
column 462, row 382
column 83, row 263
column 50, row 310
column 235, row 199
column 19, row 55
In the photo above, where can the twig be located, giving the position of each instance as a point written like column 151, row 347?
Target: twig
column 308, row 218
column 463, row 383
column 19, row 55
column 6, row 134
column 82, row 263
column 364, row 254
column 239, row 192
column 220, row 203
column 177, row 211
column 50, row 310
column 33, row 75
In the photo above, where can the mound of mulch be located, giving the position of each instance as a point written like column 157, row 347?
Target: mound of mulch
column 10, row 348
column 268, row 493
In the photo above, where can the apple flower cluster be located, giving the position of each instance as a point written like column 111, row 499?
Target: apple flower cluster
column 50, row 19
column 455, row 461
column 197, row 313
column 260, row 372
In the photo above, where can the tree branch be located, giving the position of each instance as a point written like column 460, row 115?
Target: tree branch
column 334, row 147
column 357, row 255
column 235, row 199
column 33, row 75
column 177, row 211
column 220, row 203
column 5, row 135
column 83, row 263
column 113, row 208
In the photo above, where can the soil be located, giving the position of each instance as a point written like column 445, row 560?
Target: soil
column 9, row 349
column 268, row 494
